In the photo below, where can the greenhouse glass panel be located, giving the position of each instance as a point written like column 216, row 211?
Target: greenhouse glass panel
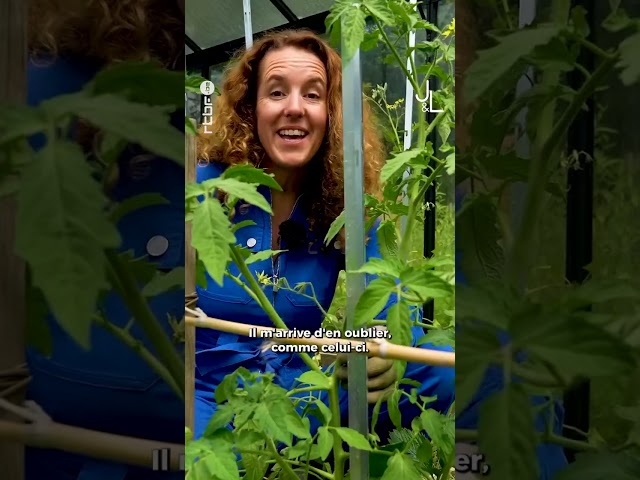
column 214, row 22
column 306, row 8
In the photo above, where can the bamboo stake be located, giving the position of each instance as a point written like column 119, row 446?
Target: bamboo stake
column 190, row 286
column 106, row 446
column 13, row 68
column 376, row 348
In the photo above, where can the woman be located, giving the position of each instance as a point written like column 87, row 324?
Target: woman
column 281, row 109
column 109, row 388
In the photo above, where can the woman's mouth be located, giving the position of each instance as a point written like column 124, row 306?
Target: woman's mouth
column 292, row 135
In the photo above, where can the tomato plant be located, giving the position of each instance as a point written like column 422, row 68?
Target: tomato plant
column 260, row 428
column 554, row 333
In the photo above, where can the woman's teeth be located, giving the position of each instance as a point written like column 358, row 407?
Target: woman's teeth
column 292, row 133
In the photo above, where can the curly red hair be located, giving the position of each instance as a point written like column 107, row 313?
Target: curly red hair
column 108, row 30
column 235, row 139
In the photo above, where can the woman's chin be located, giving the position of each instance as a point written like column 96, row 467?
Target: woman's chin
column 292, row 163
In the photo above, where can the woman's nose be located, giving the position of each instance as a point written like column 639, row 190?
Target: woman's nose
column 294, row 106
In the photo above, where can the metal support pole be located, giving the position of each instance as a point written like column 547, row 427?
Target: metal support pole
column 409, row 93
column 248, row 30
column 526, row 15
column 355, row 249
column 579, row 223
column 430, row 195
column 408, row 112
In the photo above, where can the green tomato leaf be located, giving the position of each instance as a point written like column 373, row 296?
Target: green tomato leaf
column 601, row 466
column 244, row 191
column 629, row 64
column 220, row 464
column 189, row 127
column 433, row 424
column 399, row 323
column 387, row 239
column 335, row 227
column 269, row 418
column 263, row 255
column 380, row 9
column 426, row 283
column 325, row 443
column 324, row 410
column 145, row 125
column 315, row 379
column 398, row 164
column 353, row 438
column 211, row 237
column 255, row 465
column 140, row 82
column 476, row 347
column 373, row 300
column 494, row 63
column 394, row 409
column 165, row 282
column 574, row 347
column 62, row 232
column 399, row 466
column 250, row 174
column 20, row 121
column 227, row 387
column 378, row 266
column 221, row 418
column 507, row 434
column 346, row 21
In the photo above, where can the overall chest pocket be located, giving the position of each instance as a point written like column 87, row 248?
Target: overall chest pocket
column 156, row 234
column 319, row 271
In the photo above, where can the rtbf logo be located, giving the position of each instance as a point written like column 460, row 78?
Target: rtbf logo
column 207, row 88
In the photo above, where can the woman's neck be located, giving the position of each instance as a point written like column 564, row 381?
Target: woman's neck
column 290, row 180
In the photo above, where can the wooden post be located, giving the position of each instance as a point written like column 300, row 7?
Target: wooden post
column 190, row 287
column 13, row 64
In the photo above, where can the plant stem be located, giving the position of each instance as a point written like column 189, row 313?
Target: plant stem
column 472, row 436
column 137, row 346
column 125, row 284
column 413, row 202
column 295, row 391
column 521, row 251
column 266, row 304
column 594, row 48
column 281, row 461
column 413, row 207
column 296, row 463
column 338, row 451
column 402, row 65
column 433, row 125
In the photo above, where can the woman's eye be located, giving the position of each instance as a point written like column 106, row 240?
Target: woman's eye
column 276, row 93
column 313, row 95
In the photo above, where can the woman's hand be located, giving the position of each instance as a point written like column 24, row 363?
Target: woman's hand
column 381, row 376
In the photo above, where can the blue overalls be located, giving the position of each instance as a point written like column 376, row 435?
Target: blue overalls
column 219, row 354
column 110, row 388
column 551, row 458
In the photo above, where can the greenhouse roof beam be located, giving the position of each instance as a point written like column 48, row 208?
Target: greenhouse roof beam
column 284, row 9
column 191, row 44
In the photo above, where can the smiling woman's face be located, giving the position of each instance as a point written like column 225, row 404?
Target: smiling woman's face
column 291, row 106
